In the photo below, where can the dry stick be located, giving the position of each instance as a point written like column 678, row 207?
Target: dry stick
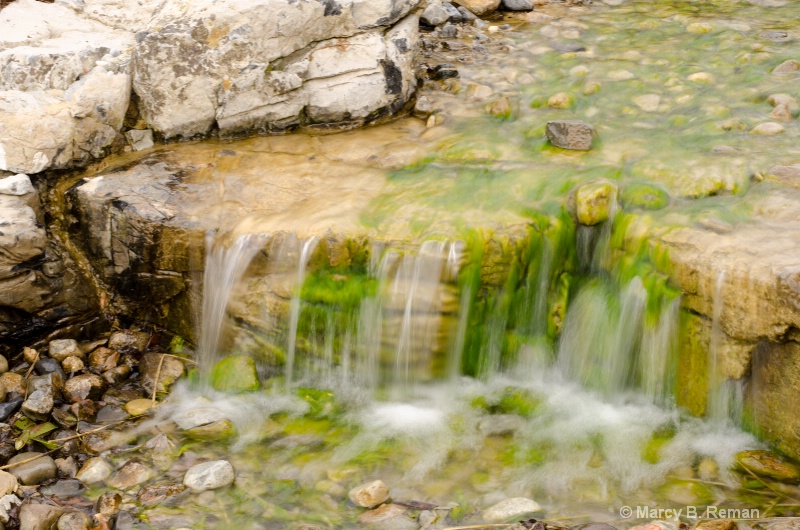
column 28, row 374
column 158, row 372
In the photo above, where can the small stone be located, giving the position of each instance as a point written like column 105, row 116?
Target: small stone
column 370, row 494
column 18, row 185
column 502, row 107
column 209, row 476
column 103, row 359
column 767, row 129
column 156, row 494
column 6, row 504
column 701, row 77
column 95, row 470
column 620, row 75
column 448, row 31
column 570, row 134
column 648, row 102
column 434, row 15
column 480, row 7
column 218, row 430
column 790, row 102
column 74, row 521
column 768, row 464
column 62, row 348
column 595, row 202
column 517, row 5
column 39, row 405
column 66, row 467
column 8, row 483
column 137, row 407
column 63, row 489
column 30, row 355
column 171, row 370
column 84, row 410
column 117, row 375
column 466, row 14
column 140, row 139
column 111, row 414
column 9, row 407
column 196, row 417
column 46, row 365
column 38, row 516
column 235, row 374
column 561, row 100
column 108, row 503
column 3, row 364
column 782, row 113
column 35, row 471
column 123, row 521
column 72, row 364
column 699, row 28
column 510, row 508
column 86, row 386
column 787, row 67
column 13, row 382
column 129, row 341
column 423, row 107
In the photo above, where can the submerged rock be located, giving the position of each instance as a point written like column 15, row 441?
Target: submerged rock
column 768, row 464
column 595, row 202
column 209, row 476
column 370, row 494
column 510, row 508
column 787, row 67
column 158, row 374
column 95, row 470
column 517, row 5
column 388, row 517
column 570, row 134
column 480, row 7
column 236, row 373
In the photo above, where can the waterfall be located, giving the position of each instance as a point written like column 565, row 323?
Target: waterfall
column 294, row 307
column 725, row 396
column 224, row 267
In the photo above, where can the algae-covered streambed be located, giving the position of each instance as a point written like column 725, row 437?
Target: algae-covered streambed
column 427, row 304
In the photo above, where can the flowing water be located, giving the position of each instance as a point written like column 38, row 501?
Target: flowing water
column 475, row 343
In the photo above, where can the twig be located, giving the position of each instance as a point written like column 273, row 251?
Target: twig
column 701, row 481
column 30, row 370
column 158, row 376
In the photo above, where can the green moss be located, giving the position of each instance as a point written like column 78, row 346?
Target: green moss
column 235, row 374
column 322, row 403
column 644, row 196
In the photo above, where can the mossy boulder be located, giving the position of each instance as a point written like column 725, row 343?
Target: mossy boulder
column 767, row 464
column 595, row 202
column 644, row 196
column 235, row 374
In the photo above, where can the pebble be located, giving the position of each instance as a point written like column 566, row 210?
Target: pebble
column 3, row 364
column 570, row 134
column 46, row 365
column 131, row 474
column 13, row 382
column 782, row 113
column 383, row 513
column 768, row 128
column 434, row 15
column 39, row 405
column 62, row 348
column 768, row 464
column 788, row 101
column 158, row 493
column 30, row 355
column 127, row 341
column 171, row 370
column 6, row 504
column 517, row 5
column 108, row 503
column 74, row 521
column 9, row 407
column 8, row 483
column 514, row 507
column 86, row 386
column 648, row 102
column 701, row 77
column 111, row 414
column 64, row 488
column 38, row 516
column 787, row 67
column 95, row 470
column 34, row 472
column 137, row 407
column 72, row 364
column 370, row 494
column 209, row 476
column 561, row 100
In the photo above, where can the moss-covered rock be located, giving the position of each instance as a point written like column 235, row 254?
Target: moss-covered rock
column 595, row 201
column 644, row 196
column 236, row 373
column 768, row 464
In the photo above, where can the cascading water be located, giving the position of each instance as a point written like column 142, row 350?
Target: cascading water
column 294, row 307
column 225, row 265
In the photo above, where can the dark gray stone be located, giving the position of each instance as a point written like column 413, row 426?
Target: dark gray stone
column 570, row 134
column 517, row 5
column 434, row 15
column 35, row 472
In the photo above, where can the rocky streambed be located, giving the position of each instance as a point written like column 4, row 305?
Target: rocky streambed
column 571, row 151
